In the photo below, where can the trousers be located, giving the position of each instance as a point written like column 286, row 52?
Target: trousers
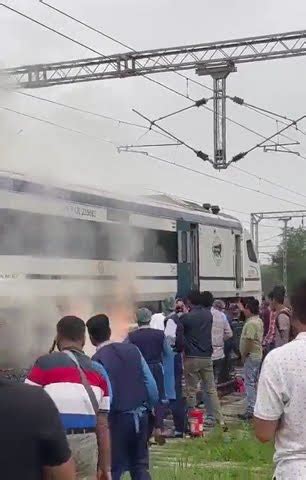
column 85, row 454
column 129, row 446
column 251, row 375
column 197, row 370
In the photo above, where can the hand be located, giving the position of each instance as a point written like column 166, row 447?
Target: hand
column 101, row 475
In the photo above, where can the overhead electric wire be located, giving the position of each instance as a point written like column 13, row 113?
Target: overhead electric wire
column 235, row 184
column 113, row 39
column 102, row 55
column 53, row 30
column 82, row 110
column 126, row 46
column 294, row 122
column 133, row 50
column 278, row 185
column 63, row 127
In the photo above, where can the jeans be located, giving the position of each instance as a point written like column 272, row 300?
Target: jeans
column 129, row 447
column 251, row 375
column 201, row 370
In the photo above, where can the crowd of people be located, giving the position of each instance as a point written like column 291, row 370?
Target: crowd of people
column 95, row 417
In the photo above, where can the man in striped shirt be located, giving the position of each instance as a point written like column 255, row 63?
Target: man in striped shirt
column 60, row 374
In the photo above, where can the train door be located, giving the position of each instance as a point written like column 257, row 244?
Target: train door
column 238, row 262
column 188, row 257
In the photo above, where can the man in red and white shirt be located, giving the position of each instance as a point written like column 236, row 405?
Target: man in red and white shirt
column 58, row 373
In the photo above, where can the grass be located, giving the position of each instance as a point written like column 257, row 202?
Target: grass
column 231, row 456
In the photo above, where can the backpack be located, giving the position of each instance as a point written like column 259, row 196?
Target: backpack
column 285, row 311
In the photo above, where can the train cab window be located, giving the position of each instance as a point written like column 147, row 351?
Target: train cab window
column 251, row 251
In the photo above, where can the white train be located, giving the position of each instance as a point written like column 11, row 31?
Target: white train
column 71, row 249
column 56, row 242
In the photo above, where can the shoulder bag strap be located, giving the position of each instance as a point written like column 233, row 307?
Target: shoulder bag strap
column 85, row 382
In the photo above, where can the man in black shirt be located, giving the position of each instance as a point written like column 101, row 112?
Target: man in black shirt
column 197, row 326
column 33, row 444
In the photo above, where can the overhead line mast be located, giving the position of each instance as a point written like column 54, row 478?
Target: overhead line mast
column 216, row 59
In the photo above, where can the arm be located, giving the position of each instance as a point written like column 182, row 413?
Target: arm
column 104, row 446
column 167, row 351
column 36, row 376
column 179, row 340
column 247, row 348
column 227, row 332
column 269, row 403
column 283, row 325
column 102, row 427
column 246, row 341
column 62, row 472
column 150, row 383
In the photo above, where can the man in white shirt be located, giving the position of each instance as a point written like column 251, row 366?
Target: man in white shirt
column 221, row 331
column 158, row 319
column 280, row 412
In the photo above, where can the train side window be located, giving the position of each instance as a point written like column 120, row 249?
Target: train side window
column 251, row 252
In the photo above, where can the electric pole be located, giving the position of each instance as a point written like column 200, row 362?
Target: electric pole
column 285, row 251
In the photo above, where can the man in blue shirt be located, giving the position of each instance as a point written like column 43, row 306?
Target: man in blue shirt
column 153, row 345
column 134, row 393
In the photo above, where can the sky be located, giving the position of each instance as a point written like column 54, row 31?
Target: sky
column 52, row 154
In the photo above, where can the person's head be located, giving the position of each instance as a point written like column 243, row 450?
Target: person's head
column 143, row 317
column 251, row 307
column 70, row 332
column 234, row 311
column 278, row 296
column 168, row 305
column 194, row 297
column 207, row 299
column 219, row 305
column 298, row 305
column 99, row 329
column 180, row 306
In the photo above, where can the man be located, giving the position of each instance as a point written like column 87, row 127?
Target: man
column 174, row 333
column 282, row 317
column 232, row 344
column 280, row 413
column 221, row 331
column 197, row 326
column 153, row 346
column 157, row 320
column 81, row 393
column 251, row 352
column 265, row 313
column 134, row 393
column 32, row 441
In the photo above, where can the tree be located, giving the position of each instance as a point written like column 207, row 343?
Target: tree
column 270, row 276
column 296, row 257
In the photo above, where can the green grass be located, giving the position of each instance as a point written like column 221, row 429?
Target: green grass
column 231, row 456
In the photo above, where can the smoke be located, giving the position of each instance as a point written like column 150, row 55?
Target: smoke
column 43, row 250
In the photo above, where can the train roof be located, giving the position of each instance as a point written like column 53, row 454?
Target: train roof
column 161, row 205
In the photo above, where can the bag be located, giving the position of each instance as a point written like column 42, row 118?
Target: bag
column 86, row 384
column 287, row 312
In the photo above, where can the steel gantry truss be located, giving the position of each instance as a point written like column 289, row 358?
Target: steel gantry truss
column 217, row 59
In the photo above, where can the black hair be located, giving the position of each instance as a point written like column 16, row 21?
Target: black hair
column 71, row 328
column 279, row 293
column 207, row 299
column 99, row 328
column 194, row 297
column 298, row 302
column 252, row 304
column 270, row 295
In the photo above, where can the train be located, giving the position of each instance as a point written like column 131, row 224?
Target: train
column 73, row 249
